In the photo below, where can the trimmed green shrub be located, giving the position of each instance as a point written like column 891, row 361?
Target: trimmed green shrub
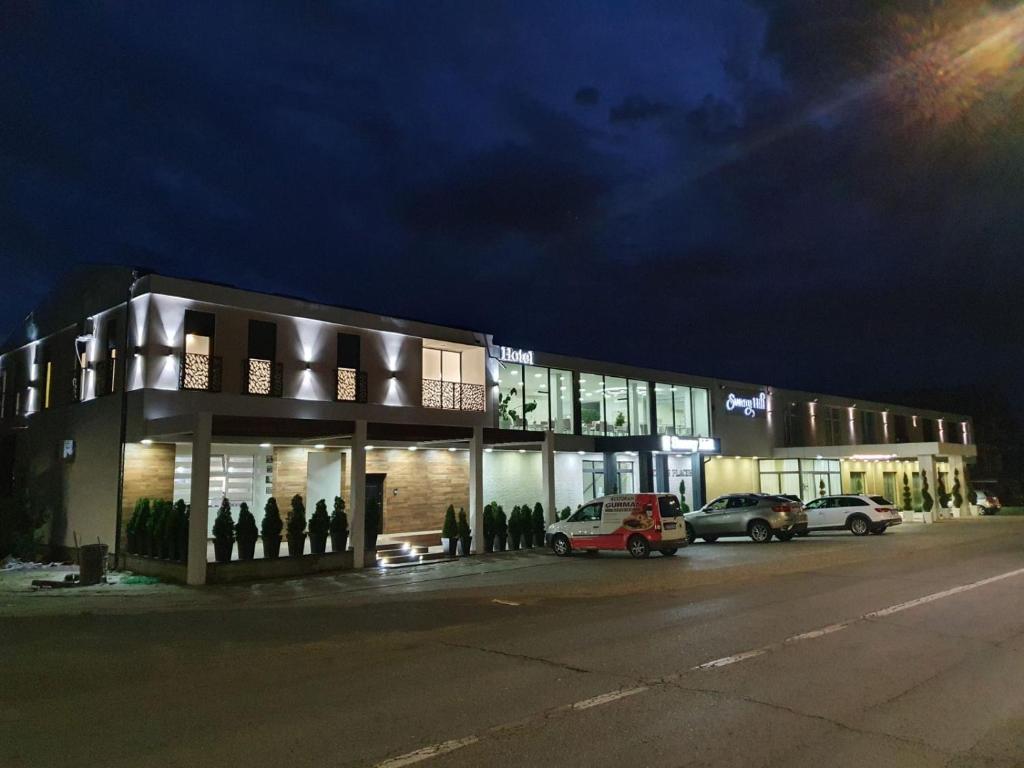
column 142, row 531
column 515, row 530
column 465, row 534
column 450, row 529
column 320, row 521
column 339, row 525
column 565, row 514
column 271, row 525
column 908, row 497
column 821, row 488
column 224, row 524
column 683, row 506
column 180, row 514
column 500, row 523
column 297, row 519
column 958, row 497
column 526, row 525
column 940, row 490
column 539, row 524
column 926, row 498
column 245, row 528
column 488, row 528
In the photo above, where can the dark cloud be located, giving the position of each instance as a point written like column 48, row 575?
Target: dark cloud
column 636, row 109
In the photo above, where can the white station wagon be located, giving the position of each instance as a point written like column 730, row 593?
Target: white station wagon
column 859, row 514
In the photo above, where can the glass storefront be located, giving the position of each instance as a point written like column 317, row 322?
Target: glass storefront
column 592, row 403
column 537, row 394
column 535, row 398
column 806, row 478
column 682, row 411
column 616, row 406
column 560, row 384
column 639, row 408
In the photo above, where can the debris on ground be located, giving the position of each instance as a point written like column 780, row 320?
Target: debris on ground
column 134, row 579
column 11, row 563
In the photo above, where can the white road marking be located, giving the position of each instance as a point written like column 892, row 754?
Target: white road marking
column 435, row 750
column 504, row 602
column 607, row 698
column 828, row 630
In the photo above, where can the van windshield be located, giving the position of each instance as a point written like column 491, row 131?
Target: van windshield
column 669, row 506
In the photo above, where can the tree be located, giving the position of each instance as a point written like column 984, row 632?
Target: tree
column 908, row 497
column 940, row 489
column 821, row 488
column 927, row 502
column 683, row 506
column 958, row 498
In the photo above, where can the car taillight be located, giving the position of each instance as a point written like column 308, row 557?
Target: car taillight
column 781, row 508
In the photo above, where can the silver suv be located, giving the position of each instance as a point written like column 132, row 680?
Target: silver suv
column 757, row 515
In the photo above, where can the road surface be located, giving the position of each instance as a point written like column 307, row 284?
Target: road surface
column 900, row 650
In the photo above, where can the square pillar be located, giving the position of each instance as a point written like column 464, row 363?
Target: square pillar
column 645, row 466
column 926, row 464
column 357, row 495
column 661, row 474
column 198, row 518
column 611, row 474
column 547, row 476
column 476, row 489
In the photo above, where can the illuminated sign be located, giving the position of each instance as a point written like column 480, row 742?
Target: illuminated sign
column 512, row 355
column 748, row 405
column 671, row 444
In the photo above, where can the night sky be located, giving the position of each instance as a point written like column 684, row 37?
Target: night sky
column 820, row 195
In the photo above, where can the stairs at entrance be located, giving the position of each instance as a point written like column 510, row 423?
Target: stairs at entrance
column 404, row 554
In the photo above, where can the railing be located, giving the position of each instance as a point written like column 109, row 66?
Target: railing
column 200, row 372
column 262, row 377
column 350, row 385
column 453, row 395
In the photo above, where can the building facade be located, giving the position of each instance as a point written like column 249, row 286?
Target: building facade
column 220, row 392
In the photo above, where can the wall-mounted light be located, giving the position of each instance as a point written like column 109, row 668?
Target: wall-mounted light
column 368, row 448
column 451, row 450
column 522, row 450
column 307, row 366
column 581, row 453
column 413, row 448
column 488, row 450
column 319, row 446
column 264, row 445
column 393, row 375
column 146, row 441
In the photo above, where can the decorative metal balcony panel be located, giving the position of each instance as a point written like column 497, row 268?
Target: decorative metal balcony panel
column 262, row 377
column 200, row 372
column 453, row 395
column 350, row 386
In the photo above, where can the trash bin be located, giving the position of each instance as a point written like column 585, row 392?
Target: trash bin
column 92, row 561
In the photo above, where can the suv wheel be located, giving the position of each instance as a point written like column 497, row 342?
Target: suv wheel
column 638, row 546
column 760, row 531
column 859, row 526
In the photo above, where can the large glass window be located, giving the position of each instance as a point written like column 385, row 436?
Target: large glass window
column 819, row 477
column 592, row 412
column 616, row 405
column 663, row 409
column 682, row 410
column 510, row 396
column 780, row 476
column 593, row 479
column 560, row 385
column 625, row 475
column 537, row 397
column 701, row 412
column 639, row 408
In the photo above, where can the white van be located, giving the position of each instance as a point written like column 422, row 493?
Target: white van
column 635, row 522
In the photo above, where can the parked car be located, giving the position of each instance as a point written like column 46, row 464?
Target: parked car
column 858, row 513
column 757, row 515
column 635, row 522
column 985, row 503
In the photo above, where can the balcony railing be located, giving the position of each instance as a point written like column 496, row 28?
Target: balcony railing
column 262, row 377
column 453, row 395
column 200, row 372
column 350, row 386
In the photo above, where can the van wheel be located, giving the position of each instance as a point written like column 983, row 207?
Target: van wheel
column 784, row 535
column 760, row 531
column 560, row 546
column 691, row 535
column 710, row 539
column 638, row 547
column 669, row 551
column 859, row 526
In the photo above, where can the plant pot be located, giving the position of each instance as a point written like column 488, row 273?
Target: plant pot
column 464, row 546
column 370, row 545
column 317, row 543
column 501, row 543
column 297, row 545
column 451, row 546
column 527, row 541
column 222, row 550
column 246, row 549
column 339, row 543
column 513, row 543
column 271, row 547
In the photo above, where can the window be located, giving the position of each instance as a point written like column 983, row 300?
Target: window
column 928, row 430
column 881, row 500
column 261, row 370
column 663, row 409
column 510, row 396
column 625, row 476
column 717, row 504
column 198, row 370
column 868, row 427
column 639, row 408
column 889, row 484
column 819, row 477
column 669, row 506
column 780, row 476
column 591, row 513
column 442, row 379
column 681, row 410
column 349, row 388
column 858, row 482
column 537, row 395
column 592, row 412
column 561, row 401
column 701, row 412
column 850, row 501
column 593, row 479
column 901, row 429
column 616, row 406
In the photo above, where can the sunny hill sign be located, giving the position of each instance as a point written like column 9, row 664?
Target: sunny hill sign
column 748, row 406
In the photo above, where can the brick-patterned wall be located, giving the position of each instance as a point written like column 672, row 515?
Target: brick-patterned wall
column 427, row 482
column 148, row 473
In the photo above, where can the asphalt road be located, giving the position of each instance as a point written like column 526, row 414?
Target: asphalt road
column 900, row 650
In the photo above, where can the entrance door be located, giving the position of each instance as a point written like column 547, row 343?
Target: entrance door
column 375, row 494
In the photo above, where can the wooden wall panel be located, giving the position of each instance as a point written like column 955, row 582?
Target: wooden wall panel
column 148, row 473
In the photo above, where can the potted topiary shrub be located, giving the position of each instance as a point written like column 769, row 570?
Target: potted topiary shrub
column 142, row 529
column 526, row 526
column 488, row 529
column 683, row 506
column 821, row 488
column 540, row 525
column 319, row 528
column 373, row 525
column 515, row 532
column 339, row 526
column 927, row 502
column 181, row 512
column 297, row 528
column 246, row 532
column 465, row 535
column 132, row 543
column 958, row 497
column 270, row 529
column 223, row 533
column 166, row 529
column 940, row 490
column 908, row 497
column 450, row 532
column 565, row 513
column 500, row 529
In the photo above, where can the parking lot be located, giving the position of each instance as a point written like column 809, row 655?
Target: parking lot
column 902, row 649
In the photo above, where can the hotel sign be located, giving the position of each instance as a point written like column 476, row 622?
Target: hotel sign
column 748, row 406
column 671, row 444
column 513, row 355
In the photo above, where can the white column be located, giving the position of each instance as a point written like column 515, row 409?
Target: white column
column 926, row 464
column 547, row 476
column 476, row 488
column 357, row 495
column 198, row 519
